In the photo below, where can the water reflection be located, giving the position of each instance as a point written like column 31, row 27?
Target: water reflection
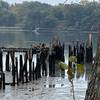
column 26, row 38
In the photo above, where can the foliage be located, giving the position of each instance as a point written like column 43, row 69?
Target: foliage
column 62, row 65
column 34, row 14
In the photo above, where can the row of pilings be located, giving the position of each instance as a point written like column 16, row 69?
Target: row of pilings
column 83, row 52
column 23, row 68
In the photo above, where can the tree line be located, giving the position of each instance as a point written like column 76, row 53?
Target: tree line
column 30, row 15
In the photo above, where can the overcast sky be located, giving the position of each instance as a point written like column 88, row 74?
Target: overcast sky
column 52, row 2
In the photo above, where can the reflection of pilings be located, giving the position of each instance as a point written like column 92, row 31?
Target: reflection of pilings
column 33, row 71
column 2, row 80
column 30, row 69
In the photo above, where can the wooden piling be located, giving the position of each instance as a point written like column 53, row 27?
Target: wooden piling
column 1, row 62
column 43, row 57
column 25, row 67
column 17, row 70
column 53, row 64
column 50, row 64
column 30, row 64
column 70, row 53
column 38, row 66
column 20, row 67
column 82, row 53
column 7, row 62
column 13, row 67
column 63, row 49
column 89, row 54
column 74, row 50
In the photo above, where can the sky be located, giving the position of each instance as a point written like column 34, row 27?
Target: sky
column 52, row 2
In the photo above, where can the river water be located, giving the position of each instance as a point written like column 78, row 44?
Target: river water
column 47, row 88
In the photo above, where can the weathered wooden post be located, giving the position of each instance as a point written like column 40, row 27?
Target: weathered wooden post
column 50, row 59
column 30, row 64
column 89, row 50
column 70, row 54
column 50, row 64
column 38, row 67
column 22, row 73
column 43, row 57
column 13, row 67
column 7, row 62
column 25, row 66
column 74, row 50
column 20, row 68
column 82, row 53
column 17, row 70
column 63, row 49
column 53, row 64
column 1, row 61
column 89, row 54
